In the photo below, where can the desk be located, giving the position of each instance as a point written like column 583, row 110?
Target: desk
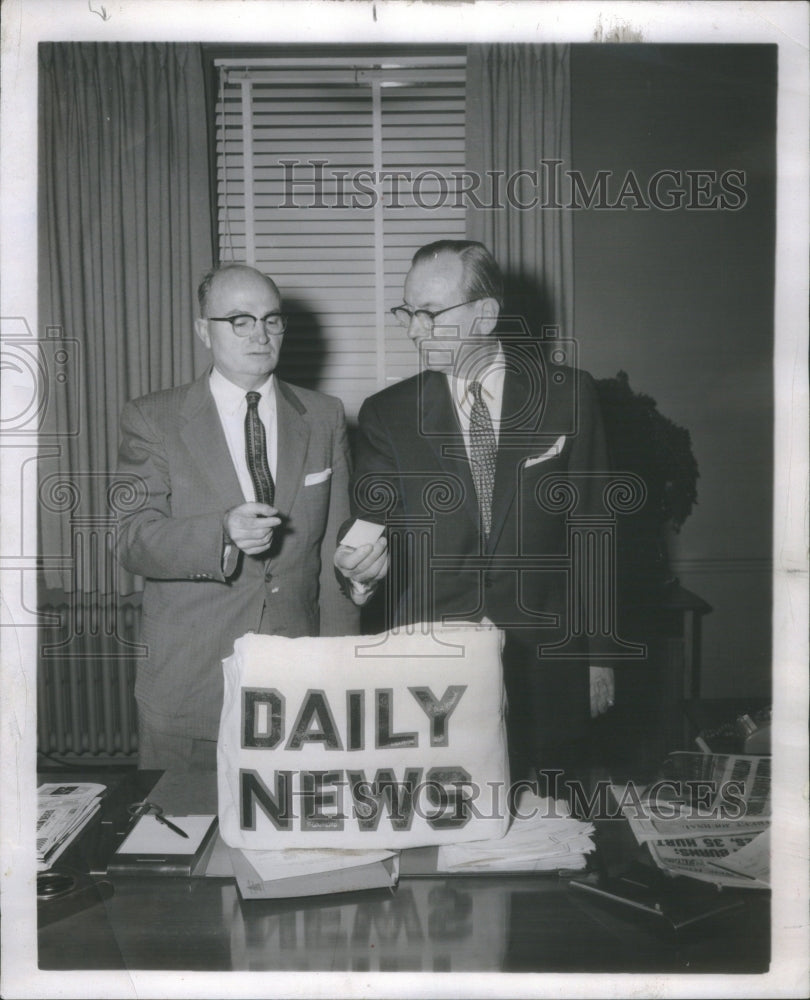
column 433, row 924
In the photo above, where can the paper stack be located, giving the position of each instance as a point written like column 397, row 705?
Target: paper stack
column 542, row 837
column 63, row 810
column 312, row 872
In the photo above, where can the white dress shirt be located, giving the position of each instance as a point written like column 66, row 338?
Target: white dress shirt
column 231, row 406
column 491, row 379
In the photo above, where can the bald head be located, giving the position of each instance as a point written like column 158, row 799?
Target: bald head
column 248, row 354
column 230, row 275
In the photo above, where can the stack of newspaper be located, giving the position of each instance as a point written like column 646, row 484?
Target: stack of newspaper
column 542, row 837
column 63, row 810
column 709, row 818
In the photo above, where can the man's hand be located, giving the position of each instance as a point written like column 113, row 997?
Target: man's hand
column 603, row 690
column 364, row 567
column 250, row 526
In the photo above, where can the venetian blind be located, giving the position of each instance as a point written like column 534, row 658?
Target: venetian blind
column 330, row 176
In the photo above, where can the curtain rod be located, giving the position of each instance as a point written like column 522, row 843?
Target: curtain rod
column 351, row 61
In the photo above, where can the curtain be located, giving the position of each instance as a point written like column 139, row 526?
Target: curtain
column 519, row 119
column 124, row 237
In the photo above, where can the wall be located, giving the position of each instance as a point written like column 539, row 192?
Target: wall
column 682, row 300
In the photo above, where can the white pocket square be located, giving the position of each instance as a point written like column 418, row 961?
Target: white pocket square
column 313, row 478
column 552, row 452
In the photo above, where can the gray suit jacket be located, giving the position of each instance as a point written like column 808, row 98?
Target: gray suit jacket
column 192, row 612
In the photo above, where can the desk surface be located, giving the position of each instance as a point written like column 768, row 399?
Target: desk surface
column 432, row 924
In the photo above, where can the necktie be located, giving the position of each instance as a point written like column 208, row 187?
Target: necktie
column 482, row 455
column 256, row 451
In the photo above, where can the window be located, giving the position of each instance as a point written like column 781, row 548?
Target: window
column 330, row 174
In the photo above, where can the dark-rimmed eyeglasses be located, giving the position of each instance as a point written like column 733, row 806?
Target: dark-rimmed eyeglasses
column 424, row 317
column 243, row 324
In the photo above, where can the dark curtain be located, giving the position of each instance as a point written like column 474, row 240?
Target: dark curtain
column 124, row 237
column 518, row 116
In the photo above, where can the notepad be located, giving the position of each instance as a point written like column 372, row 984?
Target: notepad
column 151, row 848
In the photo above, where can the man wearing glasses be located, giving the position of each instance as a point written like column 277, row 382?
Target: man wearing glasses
column 245, row 484
column 453, row 461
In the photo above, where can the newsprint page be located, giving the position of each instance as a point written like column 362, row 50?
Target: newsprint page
column 613, row 328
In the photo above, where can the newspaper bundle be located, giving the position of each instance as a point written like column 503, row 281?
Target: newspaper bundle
column 709, row 818
column 63, row 810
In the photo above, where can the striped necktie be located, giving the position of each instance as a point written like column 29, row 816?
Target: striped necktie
column 256, row 452
column 483, row 449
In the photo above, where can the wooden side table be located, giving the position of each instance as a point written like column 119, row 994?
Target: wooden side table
column 650, row 693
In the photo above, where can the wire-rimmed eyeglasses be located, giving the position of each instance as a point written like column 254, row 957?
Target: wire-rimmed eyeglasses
column 425, row 317
column 243, row 324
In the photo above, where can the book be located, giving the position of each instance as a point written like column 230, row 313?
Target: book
column 151, row 848
column 310, row 872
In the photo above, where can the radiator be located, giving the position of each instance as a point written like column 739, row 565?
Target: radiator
column 85, row 680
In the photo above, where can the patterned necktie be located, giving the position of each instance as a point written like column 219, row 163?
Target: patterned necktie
column 256, row 451
column 483, row 449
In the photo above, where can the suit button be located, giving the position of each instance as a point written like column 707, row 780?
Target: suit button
column 268, row 575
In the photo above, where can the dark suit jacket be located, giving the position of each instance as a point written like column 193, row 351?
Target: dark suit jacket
column 412, row 470
column 192, row 613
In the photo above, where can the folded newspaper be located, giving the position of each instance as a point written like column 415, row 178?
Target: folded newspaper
column 542, row 837
column 708, row 817
column 63, row 810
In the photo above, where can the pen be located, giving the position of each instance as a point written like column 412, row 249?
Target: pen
column 171, row 826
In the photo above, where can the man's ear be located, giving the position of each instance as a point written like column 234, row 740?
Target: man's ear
column 201, row 329
column 489, row 310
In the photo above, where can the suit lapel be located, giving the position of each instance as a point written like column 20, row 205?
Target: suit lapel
column 293, row 439
column 203, row 436
column 516, row 440
column 439, row 424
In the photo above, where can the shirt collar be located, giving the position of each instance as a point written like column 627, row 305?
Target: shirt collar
column 491, row 379
column 230, row 397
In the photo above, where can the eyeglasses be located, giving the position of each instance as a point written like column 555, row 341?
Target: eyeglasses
column 243, row 324
column 425, row 317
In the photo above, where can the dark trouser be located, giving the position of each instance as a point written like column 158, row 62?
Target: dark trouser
column 548, row 707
